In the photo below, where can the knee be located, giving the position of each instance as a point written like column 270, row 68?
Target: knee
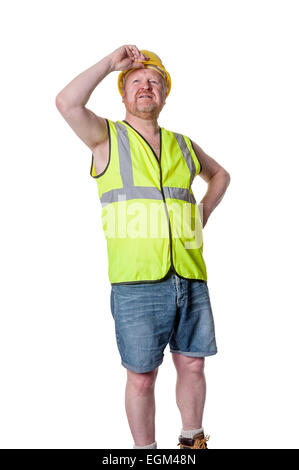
column 197, row 365
column 143, row 382
column 191, row 365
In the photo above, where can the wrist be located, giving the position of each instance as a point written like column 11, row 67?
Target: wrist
column 205, row 212
column 204, row 207
column 110, row 64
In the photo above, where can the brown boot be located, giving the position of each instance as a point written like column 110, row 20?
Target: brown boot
column 199, row 441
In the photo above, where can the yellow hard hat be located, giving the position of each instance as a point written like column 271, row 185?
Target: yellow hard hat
column 154, row 62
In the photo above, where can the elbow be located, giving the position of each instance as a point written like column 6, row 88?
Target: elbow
column 60, row 103
column 226, row 176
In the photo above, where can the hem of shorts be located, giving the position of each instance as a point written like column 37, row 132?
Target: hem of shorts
column 194, row 354
column 138, row 371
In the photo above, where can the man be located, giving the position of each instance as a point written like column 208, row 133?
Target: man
column 152, row 224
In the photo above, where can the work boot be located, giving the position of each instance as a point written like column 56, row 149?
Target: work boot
column 199, row 441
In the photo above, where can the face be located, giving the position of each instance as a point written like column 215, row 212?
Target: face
column 145, row 93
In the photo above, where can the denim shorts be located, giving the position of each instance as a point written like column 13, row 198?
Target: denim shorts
column 148, row 316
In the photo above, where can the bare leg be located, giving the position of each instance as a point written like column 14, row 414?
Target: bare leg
column 190, row 389
column 140, row 406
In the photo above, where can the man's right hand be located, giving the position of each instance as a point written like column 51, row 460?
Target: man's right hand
column 127, row 57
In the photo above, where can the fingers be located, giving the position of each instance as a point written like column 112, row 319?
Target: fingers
column 134, row 53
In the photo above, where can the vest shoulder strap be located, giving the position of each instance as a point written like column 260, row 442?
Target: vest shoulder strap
column 189, row 153
column 195, row 157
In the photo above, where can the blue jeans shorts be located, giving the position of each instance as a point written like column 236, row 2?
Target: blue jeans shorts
column 148, row 316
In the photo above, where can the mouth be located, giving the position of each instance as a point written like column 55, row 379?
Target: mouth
column 145, row 96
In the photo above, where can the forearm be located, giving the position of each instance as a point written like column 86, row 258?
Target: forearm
column 78, row 91
column 217, row 187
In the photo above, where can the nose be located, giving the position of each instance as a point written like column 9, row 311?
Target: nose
column 147, row 85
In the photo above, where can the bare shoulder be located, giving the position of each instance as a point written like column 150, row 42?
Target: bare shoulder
column 209, row 166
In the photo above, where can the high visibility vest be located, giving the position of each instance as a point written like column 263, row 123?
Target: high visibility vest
column 150, row 217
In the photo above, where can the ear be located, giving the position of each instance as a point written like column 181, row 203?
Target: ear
column 165, row 98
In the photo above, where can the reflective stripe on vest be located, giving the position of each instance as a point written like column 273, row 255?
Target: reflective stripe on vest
column 129, row 190
column 145, row 258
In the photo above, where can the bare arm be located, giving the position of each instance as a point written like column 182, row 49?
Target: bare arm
column 217, row 178
column 78, row 91
column 71, row 101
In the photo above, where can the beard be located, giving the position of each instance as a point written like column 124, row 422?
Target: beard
column 147, row 109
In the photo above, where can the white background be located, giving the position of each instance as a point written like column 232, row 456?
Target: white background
column 234, row 70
